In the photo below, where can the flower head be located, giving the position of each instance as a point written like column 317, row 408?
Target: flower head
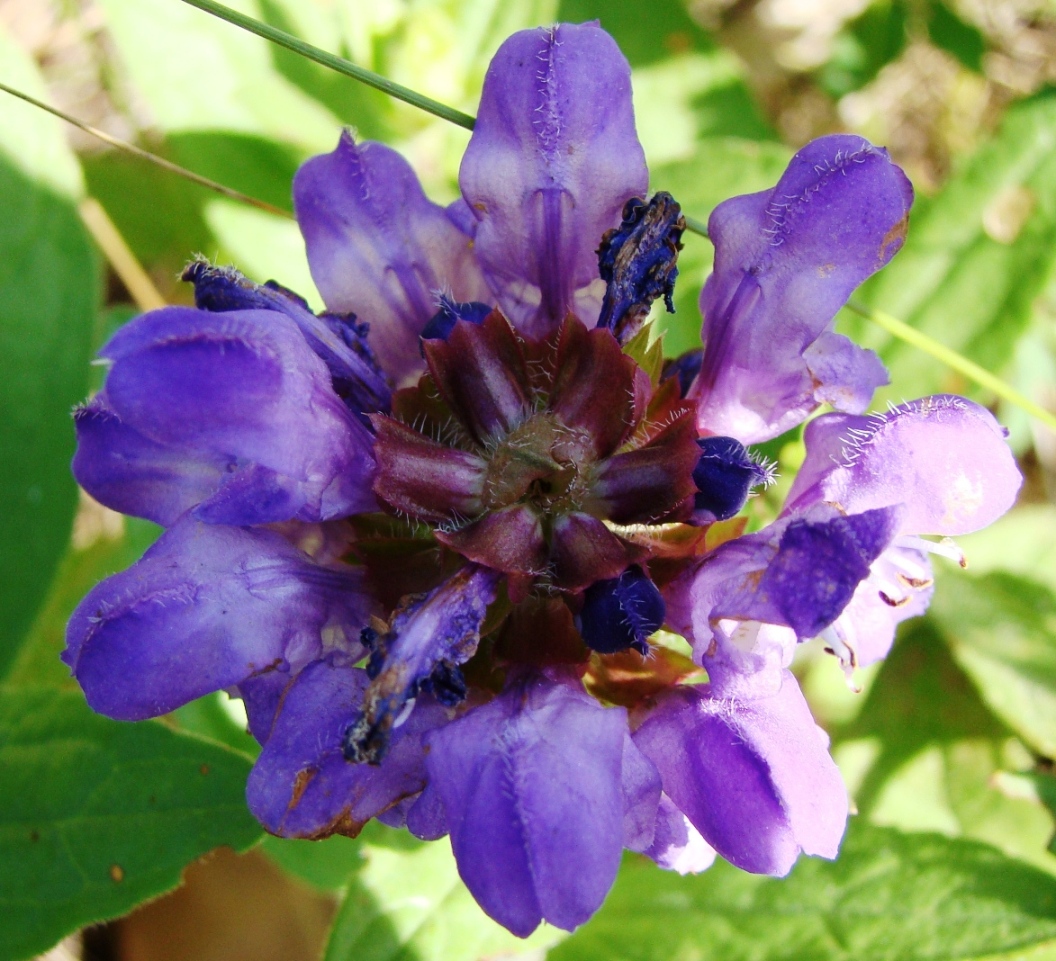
column 428, row 535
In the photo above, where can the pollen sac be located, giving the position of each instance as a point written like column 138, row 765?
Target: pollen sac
column 724, row 475
column 449, row 313
column 637, row 262
column 685, row 367
column 621, row 613
column 522, row 453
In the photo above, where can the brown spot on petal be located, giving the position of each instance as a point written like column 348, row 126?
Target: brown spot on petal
column 895, row 236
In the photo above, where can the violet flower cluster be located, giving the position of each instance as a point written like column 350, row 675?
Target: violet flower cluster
column 427, row 535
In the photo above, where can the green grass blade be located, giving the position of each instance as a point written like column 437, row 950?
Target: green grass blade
column 334, row 62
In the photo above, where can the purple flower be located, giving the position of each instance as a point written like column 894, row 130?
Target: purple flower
column 428, row 535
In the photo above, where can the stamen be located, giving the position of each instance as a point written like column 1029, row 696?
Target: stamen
column 945, row 547
column 839, row 639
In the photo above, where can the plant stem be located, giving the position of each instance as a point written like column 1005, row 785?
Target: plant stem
column 334, row 62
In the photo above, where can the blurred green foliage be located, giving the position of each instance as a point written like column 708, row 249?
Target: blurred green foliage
column 957, row 729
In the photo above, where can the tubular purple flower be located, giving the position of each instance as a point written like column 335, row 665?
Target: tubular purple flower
column 752, row 775
column 206, row 608
column 378, row 248
column 231, row 414
column 786, row 260
column 531, row 786
column 429, row 535
column 553, row 158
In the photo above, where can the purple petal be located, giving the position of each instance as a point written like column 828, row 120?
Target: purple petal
column 944, row 458
column 205, row 608
column 302, row 786
column 677, row 845
column 552, row 160
column 786, row 260
column 531, row 788
column 753, row 776
column 341, row 346
column 819, row 565
column 241, row 395
column 378, row 248
column 899, row 586
column 800, row 572
column 845, row 375
column 641, row 796
column 425, row 819
column 428, row 634
column 132, row 474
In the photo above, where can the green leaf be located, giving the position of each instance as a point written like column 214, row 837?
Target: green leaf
column 976, row 256
column 888, row 897
column 199, row 73
column 670, row 27
column 926, row 754
column 408, row 903
column 97, row 816
column 325, row 865
column 962, row 40
column 81, row 569
column 1002, row 630
column 865, row 45
column 1022, row 542
column 49, row 292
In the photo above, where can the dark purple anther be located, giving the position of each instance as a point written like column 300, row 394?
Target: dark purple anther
column 450, row 312
column 685, row 367
column 621, row 612
column 724, row 475
column 637, row 262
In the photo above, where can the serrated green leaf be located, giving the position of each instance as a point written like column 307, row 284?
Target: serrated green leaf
column 1002, row 630
column 48, row 293
column 976, row 256
column 97, row 816
column 407, row 903
column 888, row 897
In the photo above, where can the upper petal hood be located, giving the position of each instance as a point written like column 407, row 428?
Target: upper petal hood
column 785, row 261
column 533, row 796
column 230, row 413
column 379, row 248
column 553, row 158
column 944, row 458
column 752, row 775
